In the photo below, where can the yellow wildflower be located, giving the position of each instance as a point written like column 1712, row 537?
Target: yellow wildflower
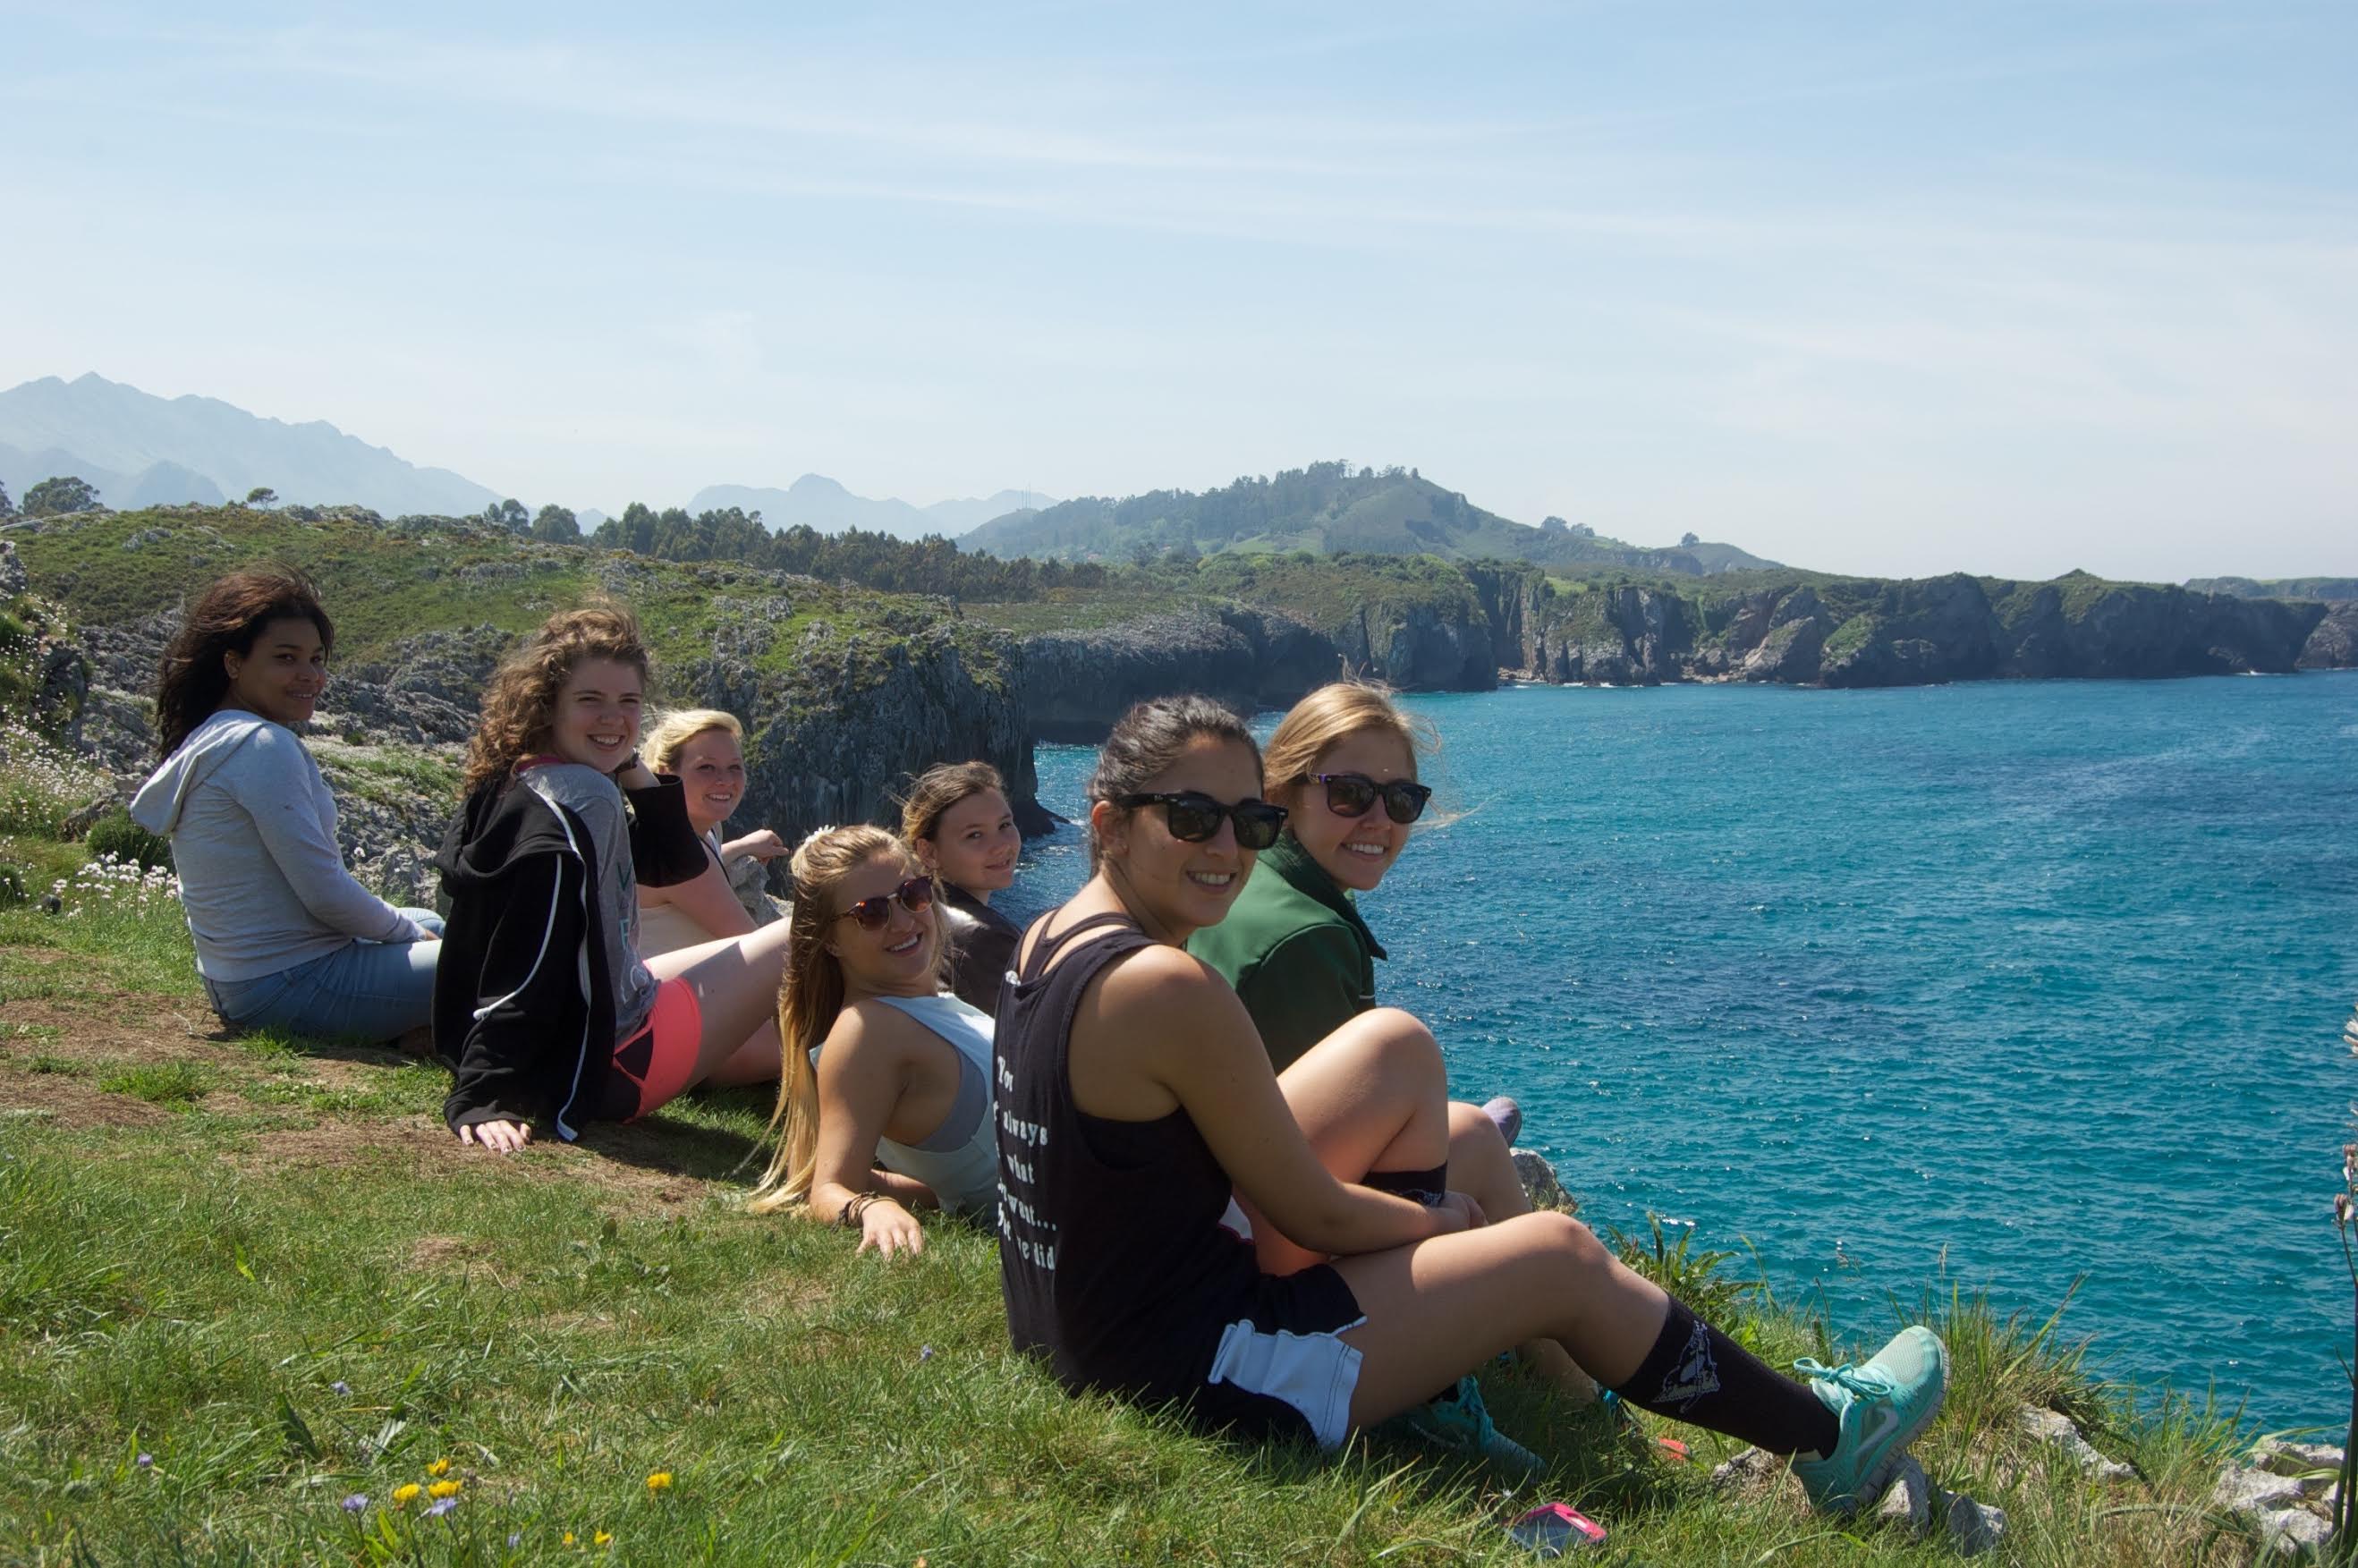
column 439, row 1467
column 406, row 1491
column 568, row 1537
column 601, row 1539
column 444, row 1488
column 659, row 1482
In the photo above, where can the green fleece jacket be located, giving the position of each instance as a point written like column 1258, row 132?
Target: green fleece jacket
column 1296, row 950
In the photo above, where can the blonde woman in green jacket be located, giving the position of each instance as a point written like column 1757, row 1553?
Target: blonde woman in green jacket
column 1343, row 763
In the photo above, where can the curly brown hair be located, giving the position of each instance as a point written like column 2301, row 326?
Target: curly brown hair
column 520, row 699
column 226, row 618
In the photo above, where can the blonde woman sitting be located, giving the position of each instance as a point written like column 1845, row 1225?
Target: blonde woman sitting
column 704, row 749
column 885, row 1092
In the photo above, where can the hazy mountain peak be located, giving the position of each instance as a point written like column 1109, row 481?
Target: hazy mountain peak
column 145, row 450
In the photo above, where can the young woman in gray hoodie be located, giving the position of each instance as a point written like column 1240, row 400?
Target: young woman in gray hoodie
column 285, row 938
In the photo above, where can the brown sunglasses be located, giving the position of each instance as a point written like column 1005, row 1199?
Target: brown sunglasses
column 915, row 895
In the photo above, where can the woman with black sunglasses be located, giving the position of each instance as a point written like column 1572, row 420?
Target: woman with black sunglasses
column 1136, row 1112
column 885, row 1096
column 1344, row 764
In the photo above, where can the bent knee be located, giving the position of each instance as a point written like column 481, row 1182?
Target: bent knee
column 1563, row 1234
column 1400, row 1040
column 1472, row 1122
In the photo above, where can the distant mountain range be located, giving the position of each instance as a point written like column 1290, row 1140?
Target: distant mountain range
column 142, row 450
column 817, row 502
column 1328, row 508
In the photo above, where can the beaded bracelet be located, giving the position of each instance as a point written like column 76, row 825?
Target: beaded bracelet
column 857, row 1204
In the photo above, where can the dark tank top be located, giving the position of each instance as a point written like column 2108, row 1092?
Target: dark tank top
column 1112, row 1256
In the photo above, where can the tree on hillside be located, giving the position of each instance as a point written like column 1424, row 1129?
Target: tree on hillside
column 8, row 507
column 1688, row 541
column 1553, row 526
column 262, row 495
column 59, row 495
column 556, row 524
column 509, row 514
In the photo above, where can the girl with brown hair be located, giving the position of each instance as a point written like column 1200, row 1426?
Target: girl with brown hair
column 285, row 937
column 957, row 820
column 544, row 1002
column 885, row 1096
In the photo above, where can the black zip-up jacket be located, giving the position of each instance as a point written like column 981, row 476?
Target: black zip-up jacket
column 524, row 1005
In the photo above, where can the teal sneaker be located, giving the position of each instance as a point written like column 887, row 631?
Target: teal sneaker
column 1882, row 1407
column 1459, row 1421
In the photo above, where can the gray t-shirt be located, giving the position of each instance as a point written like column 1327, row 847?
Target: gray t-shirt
column 592, row 797
column 253, row 826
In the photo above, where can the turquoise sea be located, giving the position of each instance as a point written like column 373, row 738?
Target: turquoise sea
column 2004, row 985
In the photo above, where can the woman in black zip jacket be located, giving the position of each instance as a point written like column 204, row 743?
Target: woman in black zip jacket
column 542, row 1001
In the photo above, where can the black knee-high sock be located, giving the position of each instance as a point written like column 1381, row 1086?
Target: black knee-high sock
column 1424, row 1186
column 1695, row 1373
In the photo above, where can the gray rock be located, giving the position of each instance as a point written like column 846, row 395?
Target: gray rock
column 2317, row 1461
column 1973, row 1528
column 2057, row 1431
column 12, row 571
column 2293, row 1535
column 2334, row 643
column 1754, row 1473
column 1541, row 1183
column 1909, row 1499
column 2251, row 1493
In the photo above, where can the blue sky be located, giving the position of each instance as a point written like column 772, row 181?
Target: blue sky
column 1872, row 287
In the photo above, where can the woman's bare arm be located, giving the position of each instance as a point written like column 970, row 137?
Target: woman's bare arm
column 1160, row 1029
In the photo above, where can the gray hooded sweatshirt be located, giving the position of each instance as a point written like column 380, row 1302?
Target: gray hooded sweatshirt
column 254, row 838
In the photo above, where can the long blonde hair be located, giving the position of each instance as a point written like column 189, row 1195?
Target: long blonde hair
column 811, row 998
column 520, row 699
column 673, row 730
column 1342, row 708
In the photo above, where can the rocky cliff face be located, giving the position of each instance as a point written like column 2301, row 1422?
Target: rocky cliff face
column 1877, row 633
column 1077, row 683
column 2334, row 643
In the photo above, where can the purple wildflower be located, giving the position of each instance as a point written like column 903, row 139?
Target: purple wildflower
column 436, row 1511
column 924, row 1352
column 340, row 1387
column 145, row 1461
column 515, row 1539
column 356, row 1502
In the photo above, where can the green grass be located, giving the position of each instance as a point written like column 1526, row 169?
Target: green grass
column 168, row 1084
column 275, row 1342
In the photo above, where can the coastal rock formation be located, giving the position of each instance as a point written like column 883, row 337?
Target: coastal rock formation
column 2333, row 644
column 1863, row 632
column 1077, row 683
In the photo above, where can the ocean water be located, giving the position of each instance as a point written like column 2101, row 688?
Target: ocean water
column 2008, row 986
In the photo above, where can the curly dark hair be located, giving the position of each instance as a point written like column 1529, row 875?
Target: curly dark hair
column 521, row 699
column 226, row 618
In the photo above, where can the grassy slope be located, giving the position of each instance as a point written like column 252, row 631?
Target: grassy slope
column 383, row 584
column 204, row 1238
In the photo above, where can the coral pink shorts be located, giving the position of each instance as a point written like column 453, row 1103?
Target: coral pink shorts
column 660, row 1059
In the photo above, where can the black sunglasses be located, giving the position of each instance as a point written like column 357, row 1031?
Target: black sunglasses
column 916, row 896
column 1351, row 795
column 1194, row 817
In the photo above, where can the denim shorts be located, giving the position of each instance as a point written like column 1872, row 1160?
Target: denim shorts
column 369, row 990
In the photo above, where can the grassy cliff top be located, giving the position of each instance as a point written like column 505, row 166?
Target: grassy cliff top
column 382, row 582
column 251, row 1278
